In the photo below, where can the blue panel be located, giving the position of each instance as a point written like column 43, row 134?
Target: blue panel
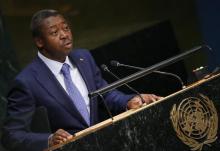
column 209, row 18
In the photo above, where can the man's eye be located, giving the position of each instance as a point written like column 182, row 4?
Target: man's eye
column 54, row 33
column 66, row 28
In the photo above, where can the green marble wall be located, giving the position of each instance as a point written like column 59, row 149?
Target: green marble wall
column 95, row 23
column 98, row 22
column 8, row 67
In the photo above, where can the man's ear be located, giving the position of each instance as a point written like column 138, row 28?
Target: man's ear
column 39, row 42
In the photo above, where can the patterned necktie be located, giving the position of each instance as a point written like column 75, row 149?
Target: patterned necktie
column 74, row 93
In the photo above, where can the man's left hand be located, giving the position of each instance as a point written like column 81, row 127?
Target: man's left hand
column 138, row 101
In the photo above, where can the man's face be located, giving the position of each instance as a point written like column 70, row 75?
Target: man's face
column 55, row 41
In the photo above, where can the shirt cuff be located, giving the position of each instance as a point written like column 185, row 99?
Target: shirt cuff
column 48, row 142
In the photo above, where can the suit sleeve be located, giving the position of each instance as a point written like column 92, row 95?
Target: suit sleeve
column 16, row 130
column 116, row 100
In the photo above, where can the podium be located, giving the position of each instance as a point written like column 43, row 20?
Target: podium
column 183, row 121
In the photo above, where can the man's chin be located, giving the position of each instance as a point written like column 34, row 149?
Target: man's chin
column 67, row 51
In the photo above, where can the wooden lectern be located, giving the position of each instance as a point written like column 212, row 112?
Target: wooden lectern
column 183, row 121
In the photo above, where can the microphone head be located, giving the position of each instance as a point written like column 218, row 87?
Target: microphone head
column 207, row 46
column 104, row 67
column 114, row 63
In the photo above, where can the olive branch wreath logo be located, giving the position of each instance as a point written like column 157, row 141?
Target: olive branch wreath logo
column 195, row 121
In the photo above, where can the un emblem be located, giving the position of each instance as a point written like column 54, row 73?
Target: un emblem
column 195, row 121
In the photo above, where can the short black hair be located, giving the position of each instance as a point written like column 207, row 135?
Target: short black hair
column 37, row 19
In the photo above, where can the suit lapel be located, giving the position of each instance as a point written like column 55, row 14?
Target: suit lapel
column 49, row 82
column 79, row 62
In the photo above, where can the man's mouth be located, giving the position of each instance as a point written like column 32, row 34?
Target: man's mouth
column 68, row 44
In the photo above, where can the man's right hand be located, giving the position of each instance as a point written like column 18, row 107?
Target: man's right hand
column 58, row 137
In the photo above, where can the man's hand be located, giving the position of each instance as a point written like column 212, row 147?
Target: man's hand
column 137, row 101
column 58, row 137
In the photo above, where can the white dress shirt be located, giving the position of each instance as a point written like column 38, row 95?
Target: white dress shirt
column 77, row 79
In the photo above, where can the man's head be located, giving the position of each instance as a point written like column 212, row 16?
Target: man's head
column 52, row 34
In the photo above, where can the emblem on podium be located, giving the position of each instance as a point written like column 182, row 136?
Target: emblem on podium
column 195, row 121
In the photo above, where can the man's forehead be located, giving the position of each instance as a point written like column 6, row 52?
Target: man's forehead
column 53, row 21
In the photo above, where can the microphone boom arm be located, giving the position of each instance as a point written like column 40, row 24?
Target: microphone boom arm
column 146, row 71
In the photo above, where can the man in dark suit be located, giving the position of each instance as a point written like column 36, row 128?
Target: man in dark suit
column 58, row 79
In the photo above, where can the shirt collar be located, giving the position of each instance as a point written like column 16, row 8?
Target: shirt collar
column 55, row 66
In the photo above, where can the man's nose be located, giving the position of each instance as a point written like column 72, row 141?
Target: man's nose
column 63, row 34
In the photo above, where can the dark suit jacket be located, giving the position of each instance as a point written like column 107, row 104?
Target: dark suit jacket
column 36, row 86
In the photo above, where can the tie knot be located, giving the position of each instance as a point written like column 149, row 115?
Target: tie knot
column 65, row 69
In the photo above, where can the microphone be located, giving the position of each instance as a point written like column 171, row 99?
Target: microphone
column 105, row 68
column 117, row 64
